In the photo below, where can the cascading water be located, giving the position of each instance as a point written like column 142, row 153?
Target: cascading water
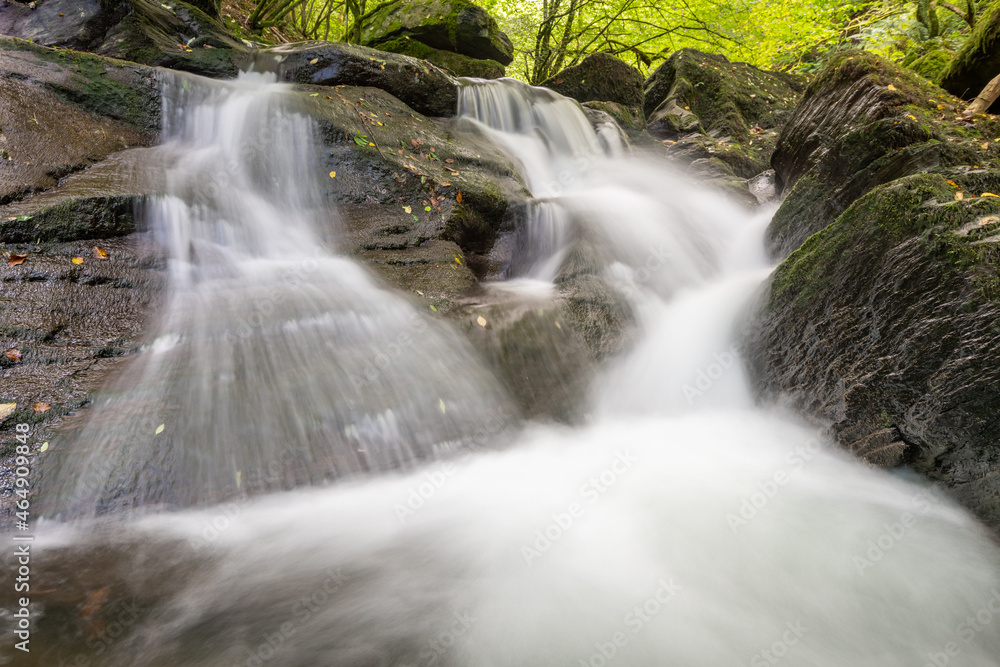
column 275, row 364
column 674, row 529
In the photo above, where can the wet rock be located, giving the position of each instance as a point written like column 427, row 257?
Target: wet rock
column 176, row 35
column 978, row 61
column 448, row 25
column 863, row 122
column 888, row 318
column 426, row 88
column 455, row 63
column 695, row 91
column 629, row 119
column 599, row 77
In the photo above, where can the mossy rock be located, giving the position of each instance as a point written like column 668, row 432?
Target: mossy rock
column 599, row 77
column 863, row 122
column 176, row 35
column 628, row 118
column 932, row 64
column 888, row 318
column 448, row 25
column 423, row 86
column 75, row 219
column 978, row 61
column 695, row 91
column 455, row 63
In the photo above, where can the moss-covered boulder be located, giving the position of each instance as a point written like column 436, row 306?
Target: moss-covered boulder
column 694, row 91
column 932, row 64
column 449, row 25
column 885, row 327
column 176, row 35
column 455, row 63
column 863, row 122
column 600, row 77
column 423, row 86
column 978, row 61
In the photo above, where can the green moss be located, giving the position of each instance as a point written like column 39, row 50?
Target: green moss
column 75, row 219
column 455, row 63
column 932, row 64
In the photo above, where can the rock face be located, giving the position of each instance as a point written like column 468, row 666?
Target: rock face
column 885, row 326
column 176, row 35
column 977, row 62
column 600, row 77
column 863, row 122
column 448, row 25
column 455, row 63
column 424, row 87
column 694, row 91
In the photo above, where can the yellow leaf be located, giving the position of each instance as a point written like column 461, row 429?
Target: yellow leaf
column 458, row 197
column 959, row 196
column 6, row 410
column 441, row 405
column 370, row 143
column 333, row 174
column 940, row 107
column 911, row 116
column 481, row 321
column 434, row 308
column 408, row 209
column 988, row 194
column 100, row 253
column 558, row 326
column 314, row 61
column 41, row 407
column 159, row 429
column 892, row 87
column 953, row 184
column 45, row 445
column 78, row 260
column 458, row 261
column 445, row 185
column 986, row 147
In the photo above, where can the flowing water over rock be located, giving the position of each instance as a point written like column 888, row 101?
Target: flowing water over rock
column 679, row 526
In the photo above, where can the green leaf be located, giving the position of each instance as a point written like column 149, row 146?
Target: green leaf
column 361, row 141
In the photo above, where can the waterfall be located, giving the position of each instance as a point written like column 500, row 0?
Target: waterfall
column 681, row 525
column 275, row 363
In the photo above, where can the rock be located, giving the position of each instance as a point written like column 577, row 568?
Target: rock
column 890, row 318
column 455, row 63
column 932, row 64
column 424, row 87
column 695, row 91
column 176, row 35
column 449, row 25
column 862, row 122
column 600, row 77
column 629, row 119
column 977, row 61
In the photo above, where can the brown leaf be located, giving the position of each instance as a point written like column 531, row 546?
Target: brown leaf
column 41, row 407
column 14, row 260
column 449, row 160
column 458, row 197
column 100, row 253
column 13, row 354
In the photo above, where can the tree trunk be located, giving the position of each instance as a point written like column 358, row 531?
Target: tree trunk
column 986, row 98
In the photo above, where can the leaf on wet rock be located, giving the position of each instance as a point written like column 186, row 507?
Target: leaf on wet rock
column 78, row 260
column 458, row 197
column 6, row 410
column 41, row 407
column 15, row 259
column 13, row 354
column 481, row 321
column 408, row 209
column 361, row 140
column 100, row 253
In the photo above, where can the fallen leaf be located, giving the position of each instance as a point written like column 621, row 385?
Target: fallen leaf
column 333, row 174
column 481, row 321
column 458, row 261
column 41, row 407
column 449, row 160
column 45, row 445
column 14, row 260
column 6, row 410
column 13, row 354
column 445, row 185
column 986, row 146
column 988, row 194
column 892, row 87
column 314, row 61
column 408, row 209
column 159, row 429
column 427, row 209
column 458, row 197
column 434, row 308
column 441, row 405
column 911, row 116
column 420, row 293
column 100, row 253
column 953, row 184
column 959, row 196
column 78, row 260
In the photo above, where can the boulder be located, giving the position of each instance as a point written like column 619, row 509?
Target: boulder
column 599, row 77
column 455, row 63
column 978, row 61
column 863, row 122
column 449, row 25
column 176, row 35
column 885, row 327
column 694, row 91
column 426, row 88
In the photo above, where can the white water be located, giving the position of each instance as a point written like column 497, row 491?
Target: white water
column 666, row 532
